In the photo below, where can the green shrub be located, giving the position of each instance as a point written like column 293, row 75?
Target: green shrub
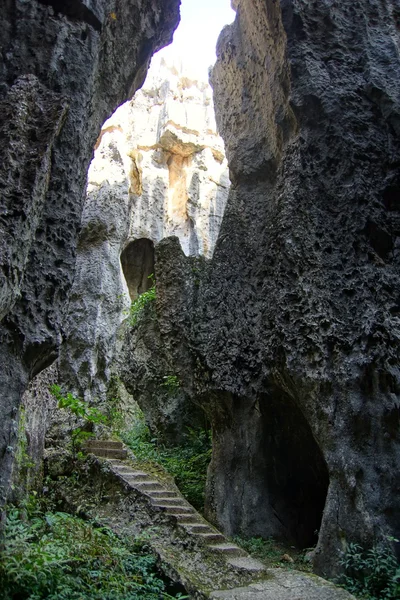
column 187, row 463
column 78, row 407
column 373, row 574
column 138, row 306
column 56, row 556
column 82, row 410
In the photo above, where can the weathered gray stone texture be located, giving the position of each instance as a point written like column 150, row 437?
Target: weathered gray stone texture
column 161, row 345
column 292, row 329
column 158, row 170
column 302, row 303
column 64, row 67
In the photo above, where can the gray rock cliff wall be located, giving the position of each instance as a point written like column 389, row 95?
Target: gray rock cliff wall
column 289, row 336
column 64, row 67
column 302, row 305
column 292, row 329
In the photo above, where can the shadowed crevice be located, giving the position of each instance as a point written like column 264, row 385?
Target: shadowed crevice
column 137, row 261
column 74, row 9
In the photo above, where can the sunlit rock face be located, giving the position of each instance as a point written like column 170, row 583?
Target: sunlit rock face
column 165, row 144
column 159, row 169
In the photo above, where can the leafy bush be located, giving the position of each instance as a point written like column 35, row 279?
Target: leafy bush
column 138, row 306
column 187, row 463
column 80, row 409
column 56, row 556
column 373, row 574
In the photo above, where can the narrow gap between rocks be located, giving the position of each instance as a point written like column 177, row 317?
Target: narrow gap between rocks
column 137, row 261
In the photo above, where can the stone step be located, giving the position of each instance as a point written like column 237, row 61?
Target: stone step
column 168, row 501
column 175, row 510
column 211, row 537
column 228, row 549
column 108, row 452
column 187, row 518
column 247, row 563
column 145, row 486
column 122, row 467
column 139, row 477
column 162, row 494
column 104, row 444
column 199, row 527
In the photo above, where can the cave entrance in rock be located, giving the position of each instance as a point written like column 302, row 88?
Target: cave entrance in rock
column 297, row 474
column 137, row 261
column 268, row 476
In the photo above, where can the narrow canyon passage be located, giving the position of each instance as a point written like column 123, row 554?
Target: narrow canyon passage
column 266, row 205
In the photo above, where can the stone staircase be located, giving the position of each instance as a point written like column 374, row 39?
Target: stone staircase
column 194, row 552
column 106, row 449
column 172, row 503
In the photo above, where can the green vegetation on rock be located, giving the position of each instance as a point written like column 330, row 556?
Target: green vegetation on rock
column 372, row 574
column 82, row 410
column 78, row 407
column 56, row 556
column 171, row 383
column 187, row 463
column 138, row 306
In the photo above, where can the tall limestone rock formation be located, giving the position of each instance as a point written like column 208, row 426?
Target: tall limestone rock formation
column 64, row 67
column 292, row 331
column 159, row 169
column 303, row 329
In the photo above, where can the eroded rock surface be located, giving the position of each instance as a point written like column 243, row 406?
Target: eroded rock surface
column 289, row 337
column 63, row 68
column 302, row 303
column 161, row 345
column 159, row 169
column 293, row 328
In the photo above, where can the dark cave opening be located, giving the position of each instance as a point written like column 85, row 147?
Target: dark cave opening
column 137, row 261
column 296, row 471
column 267, row 477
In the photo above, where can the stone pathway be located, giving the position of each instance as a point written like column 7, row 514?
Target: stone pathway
column 196, row 553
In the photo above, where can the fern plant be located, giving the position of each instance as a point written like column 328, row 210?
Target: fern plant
column 56, row 556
